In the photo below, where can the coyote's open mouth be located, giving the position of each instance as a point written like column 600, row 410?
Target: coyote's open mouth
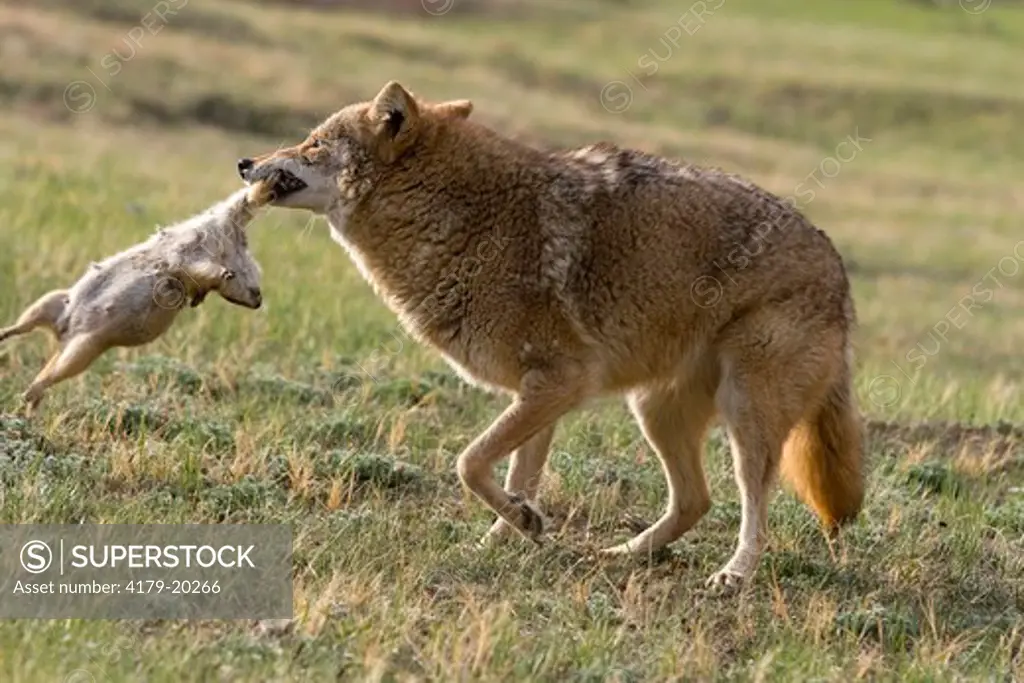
column 287, row 184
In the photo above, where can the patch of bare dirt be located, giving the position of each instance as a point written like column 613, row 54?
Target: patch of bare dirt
column 1002, row 439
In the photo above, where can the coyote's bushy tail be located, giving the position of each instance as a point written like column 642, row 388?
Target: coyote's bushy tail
column 823, row 458
column 46, row 311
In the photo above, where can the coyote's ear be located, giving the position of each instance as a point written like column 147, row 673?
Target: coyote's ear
column 394, row 115
column 458, row 109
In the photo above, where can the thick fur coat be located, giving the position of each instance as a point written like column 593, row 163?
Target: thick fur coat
column 560, row 276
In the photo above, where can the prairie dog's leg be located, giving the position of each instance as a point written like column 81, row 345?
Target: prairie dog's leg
column 44, row 311
column 77, row 355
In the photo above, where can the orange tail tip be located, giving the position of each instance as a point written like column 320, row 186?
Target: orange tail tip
column 823, row 458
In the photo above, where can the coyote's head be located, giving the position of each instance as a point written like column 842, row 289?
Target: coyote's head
column 341, row 160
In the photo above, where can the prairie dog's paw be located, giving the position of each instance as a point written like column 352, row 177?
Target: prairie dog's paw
column 199, row 297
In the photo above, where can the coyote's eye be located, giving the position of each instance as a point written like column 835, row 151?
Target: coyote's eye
column 315, row 143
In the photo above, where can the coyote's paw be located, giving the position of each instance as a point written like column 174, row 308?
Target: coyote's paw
column 620, row 550
column 531, row 521
column 726, row 579
column 31, row 398
column 499, row 533
column 635, row 551
column 637, row 525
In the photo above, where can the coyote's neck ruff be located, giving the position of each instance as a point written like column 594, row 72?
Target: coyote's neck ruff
column 561, row 276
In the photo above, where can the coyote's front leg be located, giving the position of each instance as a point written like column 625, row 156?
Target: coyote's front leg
column 524, row 473
column 545, row 396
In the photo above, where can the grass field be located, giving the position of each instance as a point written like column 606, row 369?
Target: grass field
column 115, row 117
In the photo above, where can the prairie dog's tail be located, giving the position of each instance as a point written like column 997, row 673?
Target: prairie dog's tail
column 46, row 311
column 823, row 458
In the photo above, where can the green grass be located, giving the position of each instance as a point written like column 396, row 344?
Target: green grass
column 309, row 412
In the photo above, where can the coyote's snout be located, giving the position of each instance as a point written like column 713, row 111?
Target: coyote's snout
column 560, row 276
column 133, row 297
column 292, row 179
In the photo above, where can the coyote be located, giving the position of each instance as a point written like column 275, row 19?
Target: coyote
column 132, row 298
column 560, row 276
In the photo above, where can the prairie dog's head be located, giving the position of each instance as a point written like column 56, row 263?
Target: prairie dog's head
column 238, row 279
column 338, row 162
column 218, row 252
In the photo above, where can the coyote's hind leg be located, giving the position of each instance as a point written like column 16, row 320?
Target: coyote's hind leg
column 673, row 420
column 760, row 403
